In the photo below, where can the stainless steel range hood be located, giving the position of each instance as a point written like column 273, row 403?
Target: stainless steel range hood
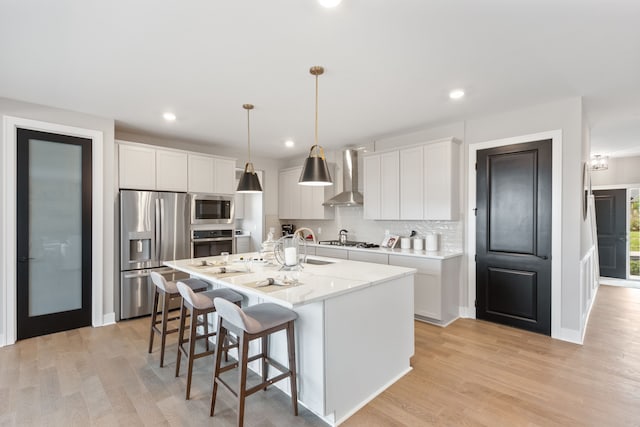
column 350, row 195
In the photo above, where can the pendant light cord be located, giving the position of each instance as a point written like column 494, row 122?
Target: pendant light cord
column 316, row 134
column 248, row 136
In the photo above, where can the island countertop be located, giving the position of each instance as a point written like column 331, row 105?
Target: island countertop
column 315, row 282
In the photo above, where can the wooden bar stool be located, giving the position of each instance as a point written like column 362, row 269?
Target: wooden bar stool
column 169, row 291
column 248, row 324
column 200, row 304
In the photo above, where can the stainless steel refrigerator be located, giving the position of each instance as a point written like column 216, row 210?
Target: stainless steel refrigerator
column 154, row 227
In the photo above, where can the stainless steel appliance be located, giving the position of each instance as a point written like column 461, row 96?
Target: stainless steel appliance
column 211, row 208
column 154, row 228
column 211, row 242
column 348, row 243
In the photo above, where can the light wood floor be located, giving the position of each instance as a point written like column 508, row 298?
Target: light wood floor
column 470, row 373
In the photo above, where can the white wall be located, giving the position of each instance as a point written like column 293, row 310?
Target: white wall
column 622, row 171
column 30, row 111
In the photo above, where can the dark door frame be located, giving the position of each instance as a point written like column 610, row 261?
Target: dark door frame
column 8, row 225
column 556, row 238
column 31, row 326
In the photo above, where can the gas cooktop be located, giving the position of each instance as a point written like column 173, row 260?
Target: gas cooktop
column 348, row 243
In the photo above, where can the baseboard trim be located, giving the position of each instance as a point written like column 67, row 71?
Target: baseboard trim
column 109, row 319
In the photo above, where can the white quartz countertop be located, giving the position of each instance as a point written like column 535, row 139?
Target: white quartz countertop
column 315, row 282
column 396, row 251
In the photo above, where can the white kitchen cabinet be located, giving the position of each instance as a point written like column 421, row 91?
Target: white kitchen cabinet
column 208, row 174
column 412, row 183
column 171, row 170
column 239, row 204
column 332, row 252
column 201, row 173
column 146, row 167
column 419, row 182
column 375, row 257
column 371, row 186
column 224, row 172
column 381, row 186
column 297, row 201
column 436, row 287
column 442, row 181
column 137, row 167
column 289, row 194
column 243, row 244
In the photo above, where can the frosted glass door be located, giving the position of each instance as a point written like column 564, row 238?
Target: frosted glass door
column 54, row 233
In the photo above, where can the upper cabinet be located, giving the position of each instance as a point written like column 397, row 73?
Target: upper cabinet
column 171, row 170
column 201, row 173
column 224, row 171
column 145, row 167
column 381, row 185
column 419, row 182
column 137, row 167
column 297, row 201
column 442, row 180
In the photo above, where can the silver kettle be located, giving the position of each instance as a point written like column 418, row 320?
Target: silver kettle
column 342, row 236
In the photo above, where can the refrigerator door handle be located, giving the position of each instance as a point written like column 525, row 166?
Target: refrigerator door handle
column 158, row 229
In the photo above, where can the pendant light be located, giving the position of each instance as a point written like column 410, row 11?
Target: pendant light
column 315, row 170
column 249, row 182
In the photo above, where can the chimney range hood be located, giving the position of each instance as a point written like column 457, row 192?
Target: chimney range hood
column 350, row 195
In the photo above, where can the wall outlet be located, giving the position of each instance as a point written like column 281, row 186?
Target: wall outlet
column 319, row 231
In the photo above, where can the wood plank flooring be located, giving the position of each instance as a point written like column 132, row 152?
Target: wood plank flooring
column 476, row 373
column 471, row 373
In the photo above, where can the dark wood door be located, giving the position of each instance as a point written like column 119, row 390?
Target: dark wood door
column 611, row 223
column 513, row 236
column 53, row 283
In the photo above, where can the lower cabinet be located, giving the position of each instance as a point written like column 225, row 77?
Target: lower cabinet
column 374, row 257
column 436, row 284
column 436, row 287
column 243, row 244
column 332, row 252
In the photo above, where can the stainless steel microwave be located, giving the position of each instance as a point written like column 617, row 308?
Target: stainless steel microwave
column 211, row 209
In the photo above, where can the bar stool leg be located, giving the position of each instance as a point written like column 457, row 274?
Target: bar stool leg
column 265, row 365
column 243, row 352
column 165, row 320
column 192, row 348
column 154, row 315
column 205, row 320
column 291, row 346
column 183, row 315
column 221, row 335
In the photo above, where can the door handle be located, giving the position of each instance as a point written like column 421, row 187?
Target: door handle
column 542, row 256
column 24, row 259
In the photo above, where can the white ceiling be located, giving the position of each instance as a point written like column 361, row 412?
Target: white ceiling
column 389, row 64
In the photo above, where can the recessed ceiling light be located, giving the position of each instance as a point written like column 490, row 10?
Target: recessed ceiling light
column 170, row 117
column 289, row 143
column 456, row 94
column 329, row 3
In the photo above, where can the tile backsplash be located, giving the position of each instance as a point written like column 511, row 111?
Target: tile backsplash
column 350, row 218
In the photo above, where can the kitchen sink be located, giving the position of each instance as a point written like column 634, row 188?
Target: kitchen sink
column 318, row 262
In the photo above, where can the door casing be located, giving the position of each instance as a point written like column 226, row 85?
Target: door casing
column 556, row 218
column 8, row 255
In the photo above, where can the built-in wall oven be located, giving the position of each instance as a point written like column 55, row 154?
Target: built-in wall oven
column 211, row 242
column 211, row 208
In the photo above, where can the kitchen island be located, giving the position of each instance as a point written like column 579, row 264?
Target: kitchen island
column 354, row 332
